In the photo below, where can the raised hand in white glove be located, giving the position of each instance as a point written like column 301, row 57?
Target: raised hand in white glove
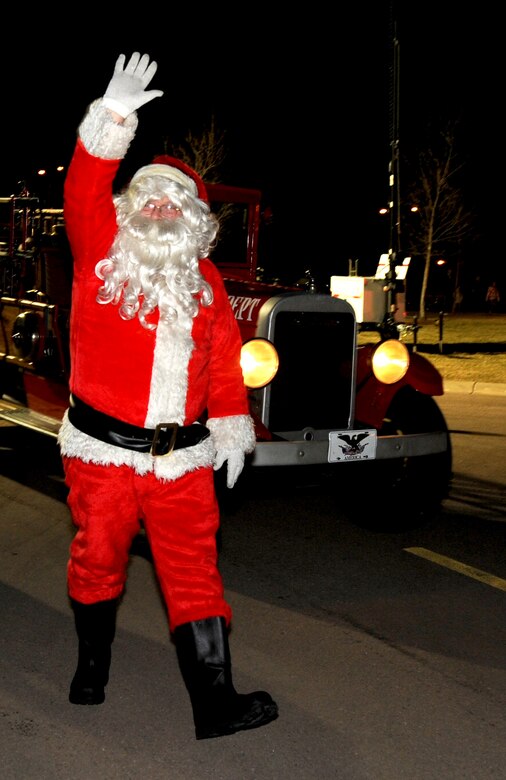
column 235, row 464
column 127, row 88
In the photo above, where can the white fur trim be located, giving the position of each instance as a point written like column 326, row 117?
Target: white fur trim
column 169, row 378
column 236, row 432
column 174, row 174
column 76, row 444
column 102, row 136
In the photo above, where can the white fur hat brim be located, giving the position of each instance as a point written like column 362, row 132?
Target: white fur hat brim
column 169, row 172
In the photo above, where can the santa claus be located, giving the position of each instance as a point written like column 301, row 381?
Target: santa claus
column 157, row 401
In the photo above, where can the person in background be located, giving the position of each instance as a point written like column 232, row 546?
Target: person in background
column 492, row 297
column 458, row 298
column 157, row 401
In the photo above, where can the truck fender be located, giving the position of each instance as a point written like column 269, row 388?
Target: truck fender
column 374, row 398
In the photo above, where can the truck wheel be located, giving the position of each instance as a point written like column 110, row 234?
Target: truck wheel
column 398, row 495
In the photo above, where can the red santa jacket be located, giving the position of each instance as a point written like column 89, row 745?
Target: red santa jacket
column 176, row 373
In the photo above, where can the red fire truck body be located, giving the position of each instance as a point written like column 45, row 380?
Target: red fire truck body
column 363, row 413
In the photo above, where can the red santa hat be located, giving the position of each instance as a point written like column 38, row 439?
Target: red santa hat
column 176, row 170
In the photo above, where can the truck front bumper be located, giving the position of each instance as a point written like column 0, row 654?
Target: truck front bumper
column 308, row 453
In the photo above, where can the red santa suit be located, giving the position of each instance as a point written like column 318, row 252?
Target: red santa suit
column 180, row 372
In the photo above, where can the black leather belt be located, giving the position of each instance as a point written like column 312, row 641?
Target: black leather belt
column 158, row 441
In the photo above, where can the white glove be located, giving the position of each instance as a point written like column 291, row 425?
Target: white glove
column 126, row 90
column 235, row 464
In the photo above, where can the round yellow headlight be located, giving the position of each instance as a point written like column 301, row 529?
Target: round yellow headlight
column 390, row 361
column 259, row 362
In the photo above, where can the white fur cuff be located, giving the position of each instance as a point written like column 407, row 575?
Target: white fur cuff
column 102, row 136
column 236, row 432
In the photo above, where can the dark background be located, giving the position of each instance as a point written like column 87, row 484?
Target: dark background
column 304, row 99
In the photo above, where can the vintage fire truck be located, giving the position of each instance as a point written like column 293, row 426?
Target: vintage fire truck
column 360, row 414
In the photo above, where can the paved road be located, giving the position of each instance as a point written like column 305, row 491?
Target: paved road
column 383, row 666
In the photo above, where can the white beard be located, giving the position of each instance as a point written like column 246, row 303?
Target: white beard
column 153, row 264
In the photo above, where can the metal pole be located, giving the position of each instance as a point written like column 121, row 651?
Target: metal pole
column 389, row 324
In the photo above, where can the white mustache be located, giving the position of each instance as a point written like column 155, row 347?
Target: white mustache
column 159, row 231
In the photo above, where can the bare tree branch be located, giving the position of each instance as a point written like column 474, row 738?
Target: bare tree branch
column 204, row 152
column 443, row 218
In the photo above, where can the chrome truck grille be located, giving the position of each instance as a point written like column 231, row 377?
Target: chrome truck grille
column 315, row 336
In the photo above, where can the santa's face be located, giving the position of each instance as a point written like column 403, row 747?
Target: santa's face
column 155, row 234
column 161, row 208
column 163, row 232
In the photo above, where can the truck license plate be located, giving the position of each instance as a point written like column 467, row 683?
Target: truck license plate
column 352, row 445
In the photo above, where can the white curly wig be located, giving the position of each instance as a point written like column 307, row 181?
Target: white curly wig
column 155, row 263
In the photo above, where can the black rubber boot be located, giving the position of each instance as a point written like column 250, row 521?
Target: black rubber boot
column 95, row 626
column 204, row 657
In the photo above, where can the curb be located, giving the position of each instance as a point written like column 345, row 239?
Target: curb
column 475, row 388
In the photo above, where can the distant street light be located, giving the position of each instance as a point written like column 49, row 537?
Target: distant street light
column 386, row 210
column 43, row 171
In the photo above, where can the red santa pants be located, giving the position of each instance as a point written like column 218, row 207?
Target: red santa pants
column 180, row 518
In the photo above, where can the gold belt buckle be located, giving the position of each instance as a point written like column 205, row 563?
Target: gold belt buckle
column 172, row 427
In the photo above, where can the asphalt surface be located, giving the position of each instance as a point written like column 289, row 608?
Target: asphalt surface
column 145, row 729
column 353, row 704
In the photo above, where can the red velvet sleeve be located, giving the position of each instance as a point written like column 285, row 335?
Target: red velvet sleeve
column 89, row 212
column 227, row 392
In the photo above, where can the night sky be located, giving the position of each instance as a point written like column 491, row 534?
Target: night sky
column 303, row 98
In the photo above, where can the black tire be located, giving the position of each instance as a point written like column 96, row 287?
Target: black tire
column 399, row 495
